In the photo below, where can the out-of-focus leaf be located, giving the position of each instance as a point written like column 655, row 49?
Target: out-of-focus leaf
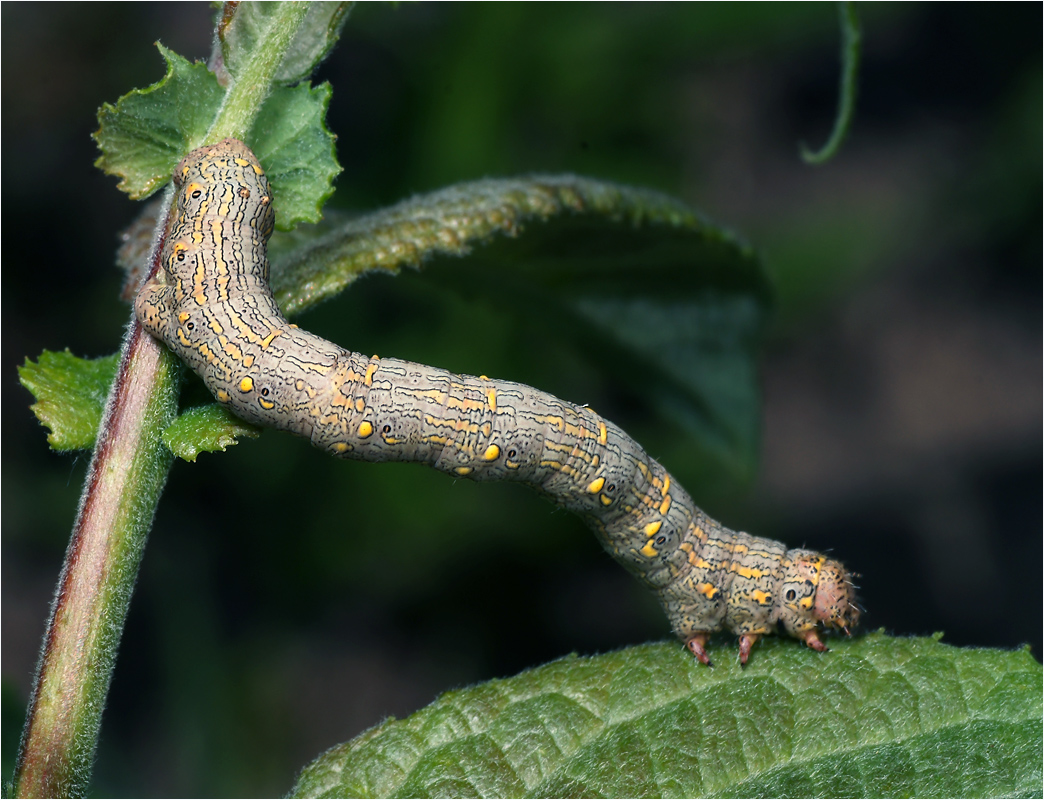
column 206, row 429
column 629, row 276
column 70, row 395
column 314, row 39
column 876, row 717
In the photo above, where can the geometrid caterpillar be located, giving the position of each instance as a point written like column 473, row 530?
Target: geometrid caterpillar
column 211, row 304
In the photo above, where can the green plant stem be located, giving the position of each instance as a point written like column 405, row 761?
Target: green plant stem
column 128, row 469
column 252, row 85
column 124, row 482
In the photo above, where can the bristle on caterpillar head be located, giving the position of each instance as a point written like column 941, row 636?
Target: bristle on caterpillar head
column 836, row 605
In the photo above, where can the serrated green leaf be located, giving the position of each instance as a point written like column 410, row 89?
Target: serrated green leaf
column 206, row 429
column 624, row 273
column 147, row 132
column 314, row 39
column 876, row 717
column 293, row 144
column 70, row 395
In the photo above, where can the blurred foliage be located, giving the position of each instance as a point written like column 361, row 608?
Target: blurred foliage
column 269, row 625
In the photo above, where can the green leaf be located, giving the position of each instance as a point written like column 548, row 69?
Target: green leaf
column 876, row 717
column 145, row 135
column 314, row 39
column 206, row 429
column 623, row 274
column 70, row 395
column 149, row 131
column 293, row 144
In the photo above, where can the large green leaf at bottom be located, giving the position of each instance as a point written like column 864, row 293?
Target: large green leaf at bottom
column 875, row 717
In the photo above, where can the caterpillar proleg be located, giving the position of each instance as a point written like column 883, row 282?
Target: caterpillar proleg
column 210, row 303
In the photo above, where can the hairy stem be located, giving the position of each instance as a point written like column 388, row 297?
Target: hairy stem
column 128, row 469
column 254, row 81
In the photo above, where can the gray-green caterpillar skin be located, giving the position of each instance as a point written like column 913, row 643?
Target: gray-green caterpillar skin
column 211, row 304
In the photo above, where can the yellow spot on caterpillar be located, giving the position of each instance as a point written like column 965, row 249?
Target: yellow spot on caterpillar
column 596, row 485
column 666, row 484
column 492, row 453
column 365, row 430
column 293, row 325
column 267, row 405
column 805, row 602
column 606, row 500
column 491, row 396
column 761, row 598
column 649, row 550
column 223, row 396
column 483, row 378
column 341, row 447
column 183, row 317
column 666, row 504
column 708, row 590
column 653, row 528
column 268, row 339
column 246, row 385
column 242, row 162
column 603, row 434
column 370, row 370
column 360, row 405
column 463, row 470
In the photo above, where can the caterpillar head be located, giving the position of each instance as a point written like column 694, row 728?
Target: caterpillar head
column 817, row 591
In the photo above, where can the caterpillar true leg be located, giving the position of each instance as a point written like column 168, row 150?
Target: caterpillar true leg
column 212, row 305
column 698, row 645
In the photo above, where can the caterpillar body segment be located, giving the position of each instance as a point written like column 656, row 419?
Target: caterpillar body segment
column 211, row 304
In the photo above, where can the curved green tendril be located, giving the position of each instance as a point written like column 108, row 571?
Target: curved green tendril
column 851, row 48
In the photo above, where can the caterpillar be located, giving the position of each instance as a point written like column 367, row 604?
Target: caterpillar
column 210, row 302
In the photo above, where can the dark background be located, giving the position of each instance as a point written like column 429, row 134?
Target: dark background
column 288, row 601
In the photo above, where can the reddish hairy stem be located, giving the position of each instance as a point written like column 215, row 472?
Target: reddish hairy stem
column 123, row 485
